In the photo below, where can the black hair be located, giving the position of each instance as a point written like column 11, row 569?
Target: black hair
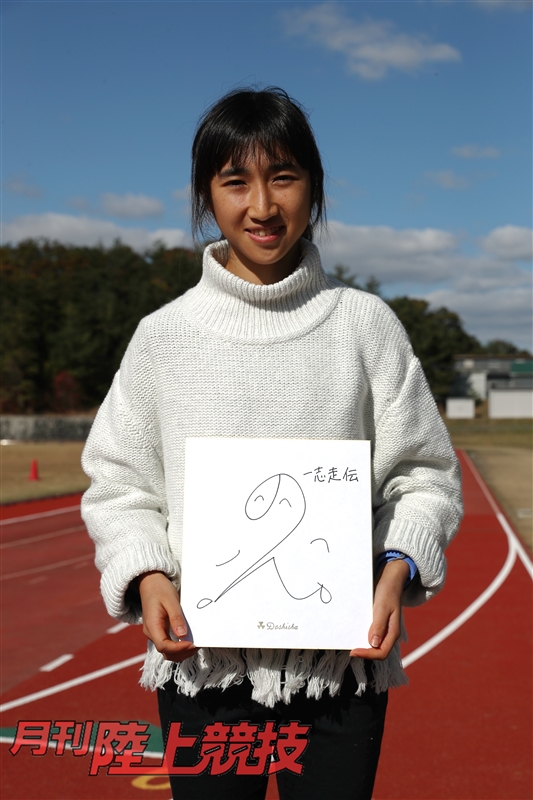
column 235, row 128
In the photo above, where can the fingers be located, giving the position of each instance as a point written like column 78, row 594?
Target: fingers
column 379, row 630
column 177, row 621
column 381, row 642
column 163, row 620
column 157, row 628
column 176, row 651
column 170, row 628
column 383, row 633
column 379, row 652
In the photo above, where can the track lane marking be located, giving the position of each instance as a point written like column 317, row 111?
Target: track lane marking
column 62, row 687
column 40, row 515
column 41, row 537
column 46, row 567
column 520, row 549
column 120, row 626
column 469, row 611
column 57, row 662
column 515, row 548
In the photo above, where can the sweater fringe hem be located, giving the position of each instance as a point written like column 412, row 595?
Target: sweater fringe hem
column 275, row 675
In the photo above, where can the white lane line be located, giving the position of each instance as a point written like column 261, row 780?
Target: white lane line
column 468, row 612
column 515, row 548
column 62, row 687
column 118, row 627
column 57, row 662
column 46, row 567
column 520, row 549
column 42, row 537
column 40, row 515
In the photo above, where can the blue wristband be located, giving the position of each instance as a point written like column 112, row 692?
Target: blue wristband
column 396, row 555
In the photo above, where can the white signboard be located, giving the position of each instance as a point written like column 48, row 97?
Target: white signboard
column 277, row 543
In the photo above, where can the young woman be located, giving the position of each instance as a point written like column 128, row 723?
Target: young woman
column 268, row 345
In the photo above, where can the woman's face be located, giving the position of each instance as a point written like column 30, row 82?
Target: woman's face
column 262, row 208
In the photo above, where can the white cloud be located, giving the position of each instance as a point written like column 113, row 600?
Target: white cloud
column 19, row 185
column 491, row 295
column 447, row 179
column 424, row 256
column 504, row 313
column 504, row 5
column 78, row 202
column 389, row 254
column 88, row 231
column 372, row 47
column 475, row 151
column 131, row 206
column 182, row 194
column 509, row 242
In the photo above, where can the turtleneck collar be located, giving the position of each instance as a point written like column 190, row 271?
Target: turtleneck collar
column 234, row 308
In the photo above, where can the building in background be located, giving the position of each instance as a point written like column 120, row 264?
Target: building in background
column 505, row 381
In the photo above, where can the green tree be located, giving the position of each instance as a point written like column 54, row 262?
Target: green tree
column 437, row 335
column 500, row 347
column 68, row 314
column 343, row 274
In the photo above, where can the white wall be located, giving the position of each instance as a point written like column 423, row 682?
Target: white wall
column 460, row 408
column 511, row 403
column 478, row 384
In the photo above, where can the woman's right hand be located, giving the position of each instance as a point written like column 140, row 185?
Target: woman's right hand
column 161, row 614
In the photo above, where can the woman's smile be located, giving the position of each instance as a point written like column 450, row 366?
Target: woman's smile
column 265, row 235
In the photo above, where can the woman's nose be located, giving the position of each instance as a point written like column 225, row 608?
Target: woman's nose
column 262, row 205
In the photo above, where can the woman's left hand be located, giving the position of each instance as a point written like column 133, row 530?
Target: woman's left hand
column 385, row 628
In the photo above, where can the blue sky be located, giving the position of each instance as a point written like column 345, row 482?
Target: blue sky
column 422, row 111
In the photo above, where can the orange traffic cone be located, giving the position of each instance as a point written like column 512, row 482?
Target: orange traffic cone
column 34, row 471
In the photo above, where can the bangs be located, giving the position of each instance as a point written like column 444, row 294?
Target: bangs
column 238, row 153
column 249, row 131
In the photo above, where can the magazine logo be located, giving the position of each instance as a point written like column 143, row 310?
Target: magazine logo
column 117, row 748
column 273, row 626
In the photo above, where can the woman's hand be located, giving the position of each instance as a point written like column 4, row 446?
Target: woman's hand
column 162, row 614
column 385, row 628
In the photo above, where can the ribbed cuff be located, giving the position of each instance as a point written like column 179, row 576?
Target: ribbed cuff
column 422, row 546
column 134, row 560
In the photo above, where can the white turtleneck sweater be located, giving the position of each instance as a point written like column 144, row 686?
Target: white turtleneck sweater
column 303, row 358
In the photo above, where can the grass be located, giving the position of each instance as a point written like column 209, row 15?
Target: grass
column 502, row 451
column 60, row 470
column 484, row 432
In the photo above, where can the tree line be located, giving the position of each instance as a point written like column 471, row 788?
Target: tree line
column 437, row 335
column 69, row 312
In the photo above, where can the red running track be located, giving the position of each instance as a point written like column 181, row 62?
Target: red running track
column 461, row 730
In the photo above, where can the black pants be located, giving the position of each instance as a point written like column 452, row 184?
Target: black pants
column 340, row 761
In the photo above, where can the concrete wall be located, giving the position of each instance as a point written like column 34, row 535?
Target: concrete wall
column 510, row 404
column 460, row 408
column 45, row 428
column 477, row 382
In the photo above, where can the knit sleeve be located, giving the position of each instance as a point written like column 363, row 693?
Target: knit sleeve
column 125, row 507
column 416, row 484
